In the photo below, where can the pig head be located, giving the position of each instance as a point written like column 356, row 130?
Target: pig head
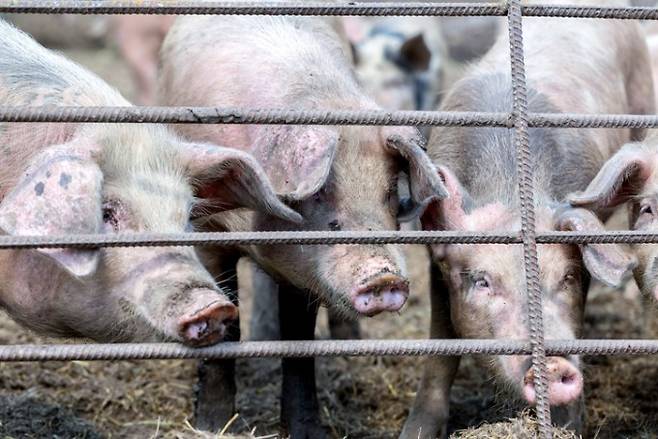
column 343, row 179
column 487, row 286
column 114, row 293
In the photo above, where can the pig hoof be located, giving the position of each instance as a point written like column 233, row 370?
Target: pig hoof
column 388, row 293
column 207, row 326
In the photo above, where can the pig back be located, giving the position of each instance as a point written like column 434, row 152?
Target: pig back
column 31, row 75
column 254, row 62
column 576, row 67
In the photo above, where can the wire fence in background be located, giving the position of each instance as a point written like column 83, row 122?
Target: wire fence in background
column 519, row 119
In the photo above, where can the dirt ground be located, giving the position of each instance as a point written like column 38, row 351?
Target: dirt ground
column 359, row 397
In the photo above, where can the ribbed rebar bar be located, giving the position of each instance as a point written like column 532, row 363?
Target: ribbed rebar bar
column 193, row 7
column 527, row 207
column 318, row 8
column 319, row 348
column 317, row 238
column 242, row 116
column 210, row 115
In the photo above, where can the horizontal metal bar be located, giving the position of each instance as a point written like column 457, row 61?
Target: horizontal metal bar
column 254, row 238
column 320, row 348
column 241, row 116
column 316, row 238
column 579, row 11
column 192, row 7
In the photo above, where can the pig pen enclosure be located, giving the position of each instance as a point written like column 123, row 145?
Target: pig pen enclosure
column 365, row 387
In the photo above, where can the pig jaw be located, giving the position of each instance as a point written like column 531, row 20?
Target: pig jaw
column 171, row 291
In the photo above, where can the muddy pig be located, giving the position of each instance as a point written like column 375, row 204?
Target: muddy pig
column 337, row 178
column 67, row 179
column 484, row 285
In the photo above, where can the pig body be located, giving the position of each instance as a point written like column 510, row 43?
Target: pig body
column 609, row 72
column 337, row 178
column 58, row 179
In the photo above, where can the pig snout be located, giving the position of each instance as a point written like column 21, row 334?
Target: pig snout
column 383, row 293
column 565, row 382
column 207, row 325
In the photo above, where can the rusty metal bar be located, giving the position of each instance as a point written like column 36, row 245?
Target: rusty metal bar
column 277, row 7
column 528, row 224
column 241, row 116
column 319, row 8
column 319, row 348
column 317, row 238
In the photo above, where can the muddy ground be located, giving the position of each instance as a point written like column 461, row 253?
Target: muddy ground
column 359, row 397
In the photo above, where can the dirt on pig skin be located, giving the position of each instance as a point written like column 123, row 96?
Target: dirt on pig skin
column 359, row 397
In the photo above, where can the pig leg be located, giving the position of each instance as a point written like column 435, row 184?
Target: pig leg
column 341, row 329
column 264, row 324
column 429, row 415
column 215, row 390
column 300, row 418
column 571, row 416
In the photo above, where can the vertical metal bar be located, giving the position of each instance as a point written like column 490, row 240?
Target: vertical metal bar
column 528, row 231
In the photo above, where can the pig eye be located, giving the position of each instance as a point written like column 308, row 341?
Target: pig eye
column 110, row 214
column 646, row 209
column 569, row 279
column 480, row 282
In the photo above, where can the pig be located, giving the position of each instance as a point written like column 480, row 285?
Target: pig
column 630, row 177
column 139, row 38
column 483, row 286
column 399, row 60
column 337, row 178
column 68, row 179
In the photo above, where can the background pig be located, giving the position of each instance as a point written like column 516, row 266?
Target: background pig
column 631, row 176
column 399, row 60
column 58, row 179
column 338, row 178
column 609, row 73
column 139, row 38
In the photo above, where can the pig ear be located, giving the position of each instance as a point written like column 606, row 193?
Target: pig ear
column 621, row 178
column 356, row 28
column 414, row 53
column 425, row 183
column 298, row 159
column 609, row 263
column 449, row 213
column 225, row 178
column 61, row 194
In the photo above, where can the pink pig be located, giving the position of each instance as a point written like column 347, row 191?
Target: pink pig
column 67, row 179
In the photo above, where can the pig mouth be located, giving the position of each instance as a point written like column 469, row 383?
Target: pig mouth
column 208, row 325
column 565, row 383
column 385, row 293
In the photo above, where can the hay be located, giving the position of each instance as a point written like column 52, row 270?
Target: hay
column 523, row 427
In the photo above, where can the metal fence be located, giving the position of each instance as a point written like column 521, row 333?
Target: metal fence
column 517, row 119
